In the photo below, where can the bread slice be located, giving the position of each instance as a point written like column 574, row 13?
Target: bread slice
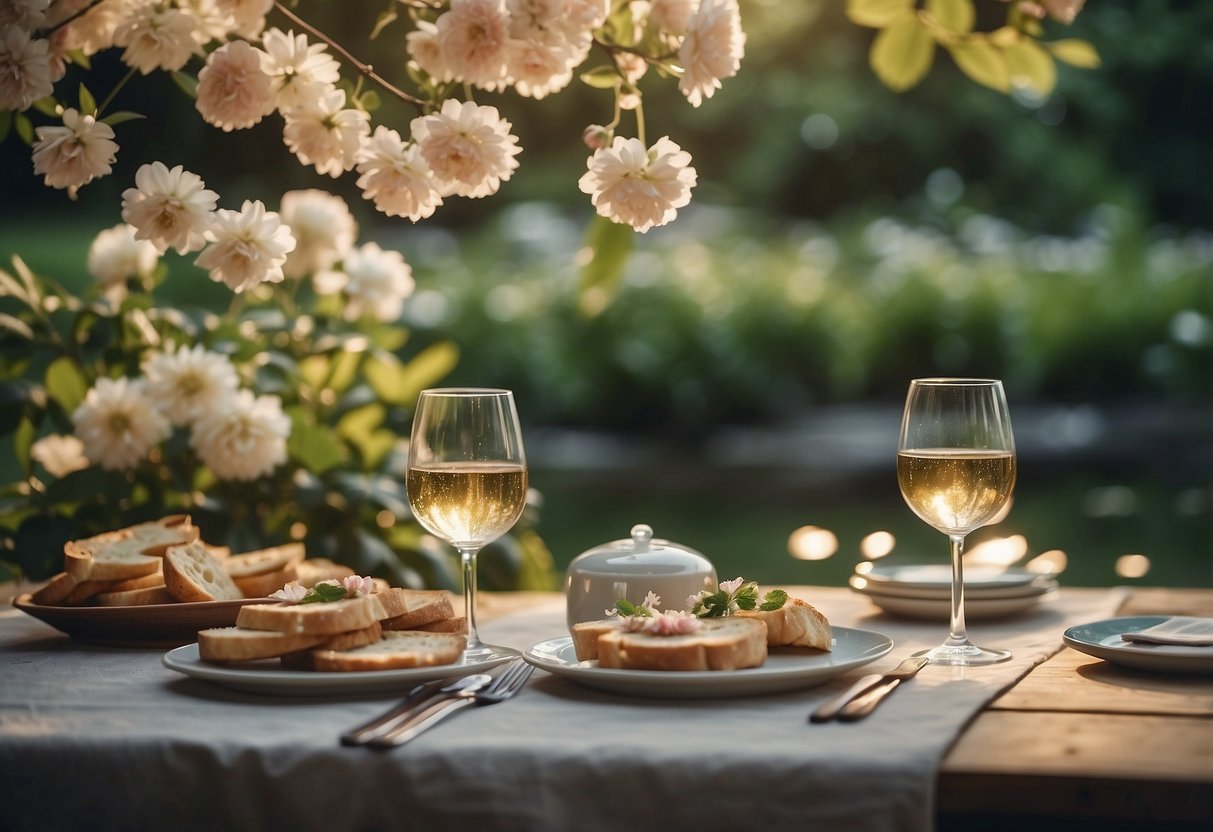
column 314, row 570
column 458, row 624
column 407, row 609
column 321, row 618
column 723, row 644
column 191, row 573
column 237, row 644
column 305, row 659
column 151, row 579
column 85, row 591
column 56, row 590
column 260, row 586
column 400, row 649
column 136, row 597
column 795, row 624
column 127, row 553
column 262, row 561
column 585, row 636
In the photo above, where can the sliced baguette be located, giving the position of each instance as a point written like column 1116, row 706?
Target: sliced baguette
column 127, row 553
column 151, row 579
column 136, row 597
column 585, row 636
column 259, row 586
column 795, row 624
column 399, row 649
column 314, row 570
column 458, row 624
column 323, row 618
column 86, row 591
column 407, row 609
column 238, row 644
column 191, row 573
column 263, row 561
column 723, row 644
column 56, row 590
column 305, row 659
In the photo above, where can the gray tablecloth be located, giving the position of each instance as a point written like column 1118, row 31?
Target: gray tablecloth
column 105, row 738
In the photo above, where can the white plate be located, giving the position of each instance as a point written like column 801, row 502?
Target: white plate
column 1102, row 640
column 787, row 668
column 1040, row 586
column 939, row 576
column 940, row 609
column 268, row 677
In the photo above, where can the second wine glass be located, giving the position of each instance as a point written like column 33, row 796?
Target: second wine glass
column 956, row 470
column 467, row 481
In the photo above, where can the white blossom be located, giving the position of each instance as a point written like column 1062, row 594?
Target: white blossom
column 244, row 440
column 234, row 90
column 643, row 189
column 473, row 36
column 156, row 36
column 247, row 15
column 325, row 134
column 92, row 31
column 301, row 72
column 468, row 147
column 25, row 74
column 75, row 154
column 424, row 47
column 373, row 280
column 24, row 14
column 169, row 208
column 395, row 176
column 60, row 455
column 712, row 49
column 538, row 68
column 118, row 424
column 247, row 247
column 115, row 256
column 189, row 383
column 323, row 228
column 671, row 16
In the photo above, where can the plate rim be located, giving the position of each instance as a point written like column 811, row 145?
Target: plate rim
column 1133, row 655
column 708, row 683
column 986, row 608
column 908, row 592
column 1023, row 576
column 186, row 661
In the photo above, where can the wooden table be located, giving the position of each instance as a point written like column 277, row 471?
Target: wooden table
column 1078, row 743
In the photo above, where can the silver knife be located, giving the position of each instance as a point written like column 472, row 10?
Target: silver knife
column 838, row 705
column 418, row 700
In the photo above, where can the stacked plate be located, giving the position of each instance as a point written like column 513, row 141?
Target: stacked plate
column 925, row 590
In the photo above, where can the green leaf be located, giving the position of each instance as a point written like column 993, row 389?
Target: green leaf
column 16, row 326
column 65, row 383
column 315, row 447
column 23, row 440
column 188, row 83
column 627, row 608
column 1031, row 66
column 361, row 428
column 24, row 128
column 121, row 117
column 88, row 104
column 902, row 54
column 370, row 101
column 385, row 18
column 609, row 246
column 1075, row 52
column 601, row 77
column 314, row 370
column 878, row 13
column 79, row 58
column 954, row 15
column 343, row 370
column 49, row 107
column 399, row 384
column 983, row 62
column 323, row 594
column 773, row 600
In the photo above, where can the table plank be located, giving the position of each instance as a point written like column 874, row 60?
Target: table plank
column 1152, row 600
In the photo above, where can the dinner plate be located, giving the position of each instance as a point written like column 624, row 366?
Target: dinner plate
column 268, row 676
column 786, row 668
column 1040, row 586
column 1102, row 640
column 978, row 578
column 148, row 625
column 941, row 608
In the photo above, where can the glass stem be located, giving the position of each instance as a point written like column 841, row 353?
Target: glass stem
column 468, row 556
column 957, row 634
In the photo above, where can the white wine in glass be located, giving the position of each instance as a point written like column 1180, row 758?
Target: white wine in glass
column 467, row 481
column 956, row 470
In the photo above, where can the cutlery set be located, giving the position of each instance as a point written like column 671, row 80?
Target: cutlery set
column 859, row 700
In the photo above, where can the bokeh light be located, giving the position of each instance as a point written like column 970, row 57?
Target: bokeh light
column 1052, row 562
column 864, row 567
column 298, row 531
column 998, row 551
column 812, row 543
column 1132, row 566
column 877, row 545
column 385, row 519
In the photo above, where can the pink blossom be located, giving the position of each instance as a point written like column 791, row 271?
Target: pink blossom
column 354, row 585
column 292, row 593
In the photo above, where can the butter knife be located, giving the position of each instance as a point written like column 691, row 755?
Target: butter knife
column 836, row 707
column 418, row 699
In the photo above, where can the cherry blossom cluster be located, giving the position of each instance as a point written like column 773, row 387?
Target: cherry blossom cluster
column 454, row 147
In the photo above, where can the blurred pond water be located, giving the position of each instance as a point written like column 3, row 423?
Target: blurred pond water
column 1125, row 493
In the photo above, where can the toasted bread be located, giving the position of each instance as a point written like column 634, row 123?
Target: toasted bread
column 237, row 644
column 723, row 644
column 127, row 553
column 305, row 659
column 585, row 636
column 260, row 586
column 314, row 570
column 191, row 573
column 56, row 590
column 407, row 648
column 407, row 609
column 136, row 597
column 262, row 561
column 795, row 624
column 323, row 618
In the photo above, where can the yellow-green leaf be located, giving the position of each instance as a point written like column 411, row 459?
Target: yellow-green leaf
column 1031, row 66
column 609, row 245
column 601, row 77
column 23, row 440
column 314, row 370
column 315, row 447
column 383, row 20
column 902, row 54
column 878, row 13
column 398, row 384
column 954, row 15
column 983, row 62
column 361, row 421
column 1075, row 52
column 65, row 383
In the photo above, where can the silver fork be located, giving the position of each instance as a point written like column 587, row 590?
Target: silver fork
column 508, row 683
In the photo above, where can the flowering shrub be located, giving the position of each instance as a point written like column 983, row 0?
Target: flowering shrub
column 283, row 416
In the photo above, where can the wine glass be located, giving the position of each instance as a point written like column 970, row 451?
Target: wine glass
column 467, row 481
column 956, row 470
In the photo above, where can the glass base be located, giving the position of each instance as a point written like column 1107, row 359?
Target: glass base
column 481, row 652
column 964, row 655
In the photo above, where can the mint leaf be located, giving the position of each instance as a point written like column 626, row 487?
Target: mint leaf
column 323, row 593
column 746, row 596
column 715, row 605
column 773, row 600
column 626, row 607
